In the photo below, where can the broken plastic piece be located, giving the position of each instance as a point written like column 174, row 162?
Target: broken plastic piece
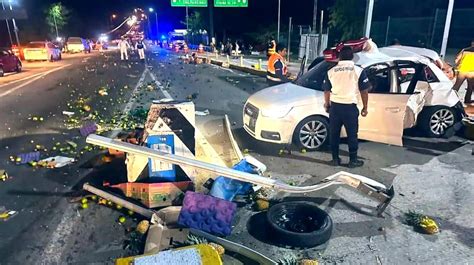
column 88, row 128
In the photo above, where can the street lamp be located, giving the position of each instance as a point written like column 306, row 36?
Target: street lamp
column 156, row 19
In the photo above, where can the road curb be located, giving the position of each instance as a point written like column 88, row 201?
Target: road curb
column 244, row 69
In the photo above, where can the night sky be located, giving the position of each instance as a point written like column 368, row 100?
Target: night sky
column 90, row 18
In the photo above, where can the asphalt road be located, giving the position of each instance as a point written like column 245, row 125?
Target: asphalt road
column 50, row 230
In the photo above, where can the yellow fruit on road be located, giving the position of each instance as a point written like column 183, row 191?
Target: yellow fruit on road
column 130, row 212
column 18, row 159
column 122, row 219
column 84, row 206
column 262, row 205
column 94, row 197
column 220, row 249
column 86, row 108
column 309, row 262
column 143, row 226
column 84, row 200
column 303, row 151
column 119, row 207
column 428, row 225
column 109, row 203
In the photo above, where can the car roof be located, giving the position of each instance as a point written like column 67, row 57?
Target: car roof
column 383, row 55
column 433, row 55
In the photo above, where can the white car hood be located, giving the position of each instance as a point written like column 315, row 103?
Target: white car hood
column 287, row 94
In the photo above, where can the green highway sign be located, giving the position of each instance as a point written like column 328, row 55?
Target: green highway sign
column 190, row 3
column 231, row 3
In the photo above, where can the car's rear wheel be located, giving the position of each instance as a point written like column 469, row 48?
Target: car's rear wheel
column 436, row 120
column 312, row 133
column 18, row 67
column 2, row 73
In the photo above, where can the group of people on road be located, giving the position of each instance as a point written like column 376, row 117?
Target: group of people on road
column 125, row 44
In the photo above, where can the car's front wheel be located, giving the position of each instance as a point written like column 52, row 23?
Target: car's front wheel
column 436, row 120
column 312, row 133
column 18, row 67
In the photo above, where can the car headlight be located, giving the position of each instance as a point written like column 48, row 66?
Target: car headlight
column 276, row 112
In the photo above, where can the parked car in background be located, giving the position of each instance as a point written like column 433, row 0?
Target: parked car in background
column 408, row 90
column 42, row 51
column 9, row 62
column 77, row 44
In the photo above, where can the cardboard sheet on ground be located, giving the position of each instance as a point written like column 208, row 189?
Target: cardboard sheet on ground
column 57, row 161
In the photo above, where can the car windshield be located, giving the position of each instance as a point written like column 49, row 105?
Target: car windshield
column 74, row 40
column 314, row 78
column 35, row 45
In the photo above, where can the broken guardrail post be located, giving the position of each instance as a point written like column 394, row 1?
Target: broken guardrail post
column 124, row 203
column 371, row 188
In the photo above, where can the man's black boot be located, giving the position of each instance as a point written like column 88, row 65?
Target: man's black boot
column 354, row 162
column 335, row 162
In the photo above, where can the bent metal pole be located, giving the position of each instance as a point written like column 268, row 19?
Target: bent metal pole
column 339, row 178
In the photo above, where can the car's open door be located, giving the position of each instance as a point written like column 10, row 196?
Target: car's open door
column 385, row 121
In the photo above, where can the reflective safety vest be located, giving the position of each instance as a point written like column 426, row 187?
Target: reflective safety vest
column 271, row 71
column 466, row 64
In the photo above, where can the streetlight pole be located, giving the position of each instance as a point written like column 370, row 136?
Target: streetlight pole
column 15, row 28
column 447, row 26
column 55, row 26
column 8, row 27
column 156, row 22
column 315, row 15
column 278, row 30
column 368, row 17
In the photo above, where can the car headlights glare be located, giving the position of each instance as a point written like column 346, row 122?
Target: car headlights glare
column 276, row 112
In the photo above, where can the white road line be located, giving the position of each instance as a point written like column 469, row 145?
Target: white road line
column 32, row 80
column 53, row 251
column 160, row 86
column 21, row 79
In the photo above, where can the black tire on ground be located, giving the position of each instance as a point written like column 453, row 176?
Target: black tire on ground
column 299, row 224
column 51, row 59
column 435, row 120
column 2, row 73
column 60, row 57
column 18, row 67
column 312, row 133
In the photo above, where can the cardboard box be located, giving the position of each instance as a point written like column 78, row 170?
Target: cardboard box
column 156, row 194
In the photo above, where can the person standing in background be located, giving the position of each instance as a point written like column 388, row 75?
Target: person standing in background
column 465, row 71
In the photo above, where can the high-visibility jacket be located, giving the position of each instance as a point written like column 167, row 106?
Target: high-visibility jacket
column 276, row 58
column 272, row 48
column 466, row 62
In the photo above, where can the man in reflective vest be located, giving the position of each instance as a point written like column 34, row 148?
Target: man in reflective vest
column 277, row 72
column 342, row 86
column 465, row 67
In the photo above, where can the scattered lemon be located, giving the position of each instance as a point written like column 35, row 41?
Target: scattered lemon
column 109, row 203
column 84, row 200
column 119, row 207
column 303, row 151
column 84, row 206
column 122, row 219
column 143, row 226
column 94, row 197
column 130, row 212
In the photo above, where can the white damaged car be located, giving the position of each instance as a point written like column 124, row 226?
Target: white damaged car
column 408, row 90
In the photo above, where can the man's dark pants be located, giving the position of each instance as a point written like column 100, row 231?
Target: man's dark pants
column 347, row 115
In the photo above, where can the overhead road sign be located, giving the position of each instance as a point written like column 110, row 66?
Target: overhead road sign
column 231, row 3
column 189, row 3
